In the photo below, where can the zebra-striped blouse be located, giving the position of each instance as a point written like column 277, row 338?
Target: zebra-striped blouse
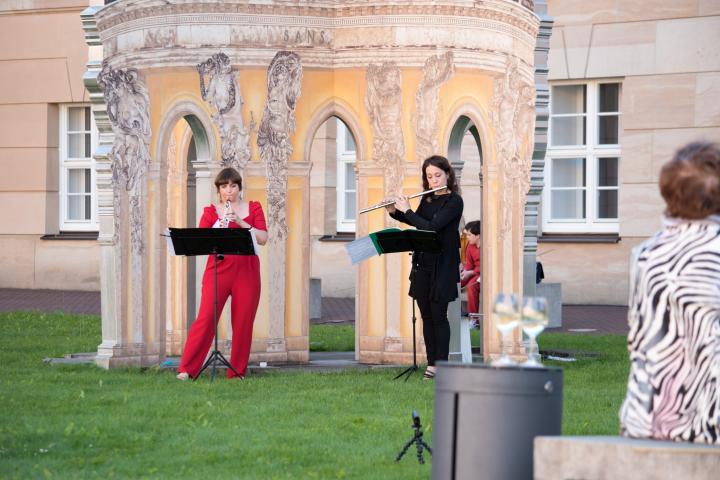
column 674, row 340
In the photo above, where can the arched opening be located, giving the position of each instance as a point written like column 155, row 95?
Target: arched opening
column 465, row 154
column 333, row 207
column 187, row 148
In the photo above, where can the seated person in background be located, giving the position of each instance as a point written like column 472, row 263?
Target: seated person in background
column 674, row 309
column 470, row 274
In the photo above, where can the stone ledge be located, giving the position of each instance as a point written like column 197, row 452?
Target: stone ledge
column 617, row 458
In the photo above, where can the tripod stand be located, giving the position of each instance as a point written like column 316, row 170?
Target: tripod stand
column 417, row 440
column 216, row 242
column 215, row 356
column 414, row 367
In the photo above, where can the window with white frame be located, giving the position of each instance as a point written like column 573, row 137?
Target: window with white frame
column 583, row 156
column 78, row 202
column 346, row 181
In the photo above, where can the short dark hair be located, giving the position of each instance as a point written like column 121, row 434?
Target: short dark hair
column 228, row 175
column 690, row 182
column 473, row 227
column 443, row 164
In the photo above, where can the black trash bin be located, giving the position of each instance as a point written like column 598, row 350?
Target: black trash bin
column 487, row 417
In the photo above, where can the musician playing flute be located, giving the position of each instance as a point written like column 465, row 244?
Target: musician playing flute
column 433, row 283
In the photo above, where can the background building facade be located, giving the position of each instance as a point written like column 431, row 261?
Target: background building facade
column 48, row 214
column 630, row 82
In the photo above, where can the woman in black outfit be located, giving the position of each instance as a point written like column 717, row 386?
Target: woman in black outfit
column 434, row 282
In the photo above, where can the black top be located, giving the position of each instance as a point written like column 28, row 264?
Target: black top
column 441, row 214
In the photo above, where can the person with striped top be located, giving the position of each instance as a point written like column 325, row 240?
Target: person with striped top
column 674, row 310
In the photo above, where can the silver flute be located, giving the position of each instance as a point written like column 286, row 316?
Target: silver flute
column 390, row 202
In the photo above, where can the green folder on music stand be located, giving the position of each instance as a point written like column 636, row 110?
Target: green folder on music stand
column 392, row 240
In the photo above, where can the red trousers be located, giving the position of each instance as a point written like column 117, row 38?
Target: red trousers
column 238, row 276
column 473, row 295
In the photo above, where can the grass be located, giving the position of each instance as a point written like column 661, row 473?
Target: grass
column 332, row 338
column 594, row 388
column 83, row 422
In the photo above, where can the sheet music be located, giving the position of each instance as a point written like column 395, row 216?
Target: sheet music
column 361, row 249
column 170, row 246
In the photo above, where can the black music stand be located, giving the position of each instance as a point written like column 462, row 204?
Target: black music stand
column 216, row 242
column 416, row 241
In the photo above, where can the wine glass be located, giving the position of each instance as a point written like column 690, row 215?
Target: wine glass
column 534, row 320
column 507, row 315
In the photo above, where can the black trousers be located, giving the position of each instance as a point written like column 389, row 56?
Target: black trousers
column 436, row 328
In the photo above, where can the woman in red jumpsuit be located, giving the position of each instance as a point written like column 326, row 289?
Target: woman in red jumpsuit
column 238, row 276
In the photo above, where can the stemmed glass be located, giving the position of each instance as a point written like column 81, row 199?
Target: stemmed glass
column 534, row 320
column 507, row 314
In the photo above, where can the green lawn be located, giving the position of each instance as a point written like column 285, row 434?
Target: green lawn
column 84, row 422
column 594, row 388
column 332, row 338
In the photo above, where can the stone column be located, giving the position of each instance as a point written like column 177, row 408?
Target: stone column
column 513, row 115
column 297, row 322
column 155, row 280
column 371, row 297
column 176, row 266
column 121, row 105
column 277, row 124
column 542, row 100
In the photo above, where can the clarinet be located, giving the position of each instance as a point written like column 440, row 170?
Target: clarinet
column 228, row 210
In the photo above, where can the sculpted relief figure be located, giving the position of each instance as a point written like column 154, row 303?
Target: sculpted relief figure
column 276, row 126
column 165, row 37
column 513, row 115
column 219, row 88
column 438, row 69
column 524, row 125
column 383, row 101
column 128, row 110
column 127, row 106
column 278, row 123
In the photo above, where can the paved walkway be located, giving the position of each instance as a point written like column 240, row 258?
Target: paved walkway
column 12, row 300
column 589, row 319
column 594, row 319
